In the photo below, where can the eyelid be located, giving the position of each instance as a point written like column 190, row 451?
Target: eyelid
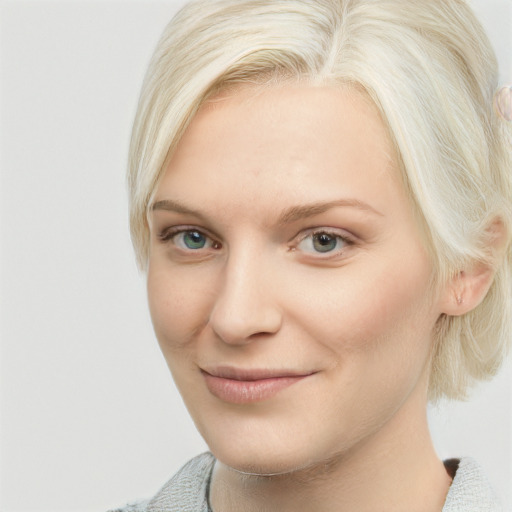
column 168, row 233
column 347, row 238
column 327, row 230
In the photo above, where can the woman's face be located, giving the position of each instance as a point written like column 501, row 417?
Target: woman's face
column 288, row 283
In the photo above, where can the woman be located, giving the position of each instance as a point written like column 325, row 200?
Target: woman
column 320, row 197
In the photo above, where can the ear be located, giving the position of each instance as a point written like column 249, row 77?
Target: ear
column 468, row 288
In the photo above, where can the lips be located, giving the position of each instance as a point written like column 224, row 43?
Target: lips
column 239, row 386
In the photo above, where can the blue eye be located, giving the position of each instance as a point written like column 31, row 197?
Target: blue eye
column 192, row 240
column 322, row 242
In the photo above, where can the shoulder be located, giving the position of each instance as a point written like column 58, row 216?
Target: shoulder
column 470, row 490
column 186, row 490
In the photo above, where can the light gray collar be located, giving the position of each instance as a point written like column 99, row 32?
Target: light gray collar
column 188, row 490
column 471, row 491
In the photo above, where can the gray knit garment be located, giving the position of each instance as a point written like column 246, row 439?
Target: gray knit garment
column 187, row 491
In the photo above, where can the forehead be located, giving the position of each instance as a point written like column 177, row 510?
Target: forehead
column 297, row 110
column 288, row 143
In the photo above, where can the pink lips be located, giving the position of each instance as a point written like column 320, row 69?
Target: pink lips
column 244, row 387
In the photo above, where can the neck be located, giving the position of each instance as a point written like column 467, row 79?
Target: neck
column 396, row 470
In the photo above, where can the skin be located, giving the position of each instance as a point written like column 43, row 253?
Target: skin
column 263, row 293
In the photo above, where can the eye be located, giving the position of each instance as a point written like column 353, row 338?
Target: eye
column 189, row 239
column 323, row 242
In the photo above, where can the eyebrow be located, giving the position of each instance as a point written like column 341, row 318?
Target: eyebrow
column 174, row 206
column 288, row 216
column 299, row 212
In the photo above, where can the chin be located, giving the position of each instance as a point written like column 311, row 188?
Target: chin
column 263, row 465
column 262, row 458
column 269, row 438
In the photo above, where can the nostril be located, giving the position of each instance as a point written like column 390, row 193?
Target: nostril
column 235, row 326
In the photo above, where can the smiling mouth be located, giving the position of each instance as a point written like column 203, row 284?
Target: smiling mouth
column 244, row 387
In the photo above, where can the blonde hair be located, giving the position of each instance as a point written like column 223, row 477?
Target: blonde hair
column 430, row 70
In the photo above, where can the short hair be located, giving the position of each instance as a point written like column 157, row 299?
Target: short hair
column 430, row 70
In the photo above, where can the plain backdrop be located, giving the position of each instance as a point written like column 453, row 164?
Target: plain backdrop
column 89, row 416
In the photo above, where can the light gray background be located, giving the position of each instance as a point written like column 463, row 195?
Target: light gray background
column 89, row 416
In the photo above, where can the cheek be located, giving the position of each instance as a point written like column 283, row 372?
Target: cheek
column 372, row 309
column 377, row 331
column 389, row 338
column 179, row 303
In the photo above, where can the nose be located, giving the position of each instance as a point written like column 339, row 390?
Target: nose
column 245, row 305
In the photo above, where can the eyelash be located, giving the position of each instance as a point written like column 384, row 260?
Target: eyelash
column 332, row 233
column 168, row 234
